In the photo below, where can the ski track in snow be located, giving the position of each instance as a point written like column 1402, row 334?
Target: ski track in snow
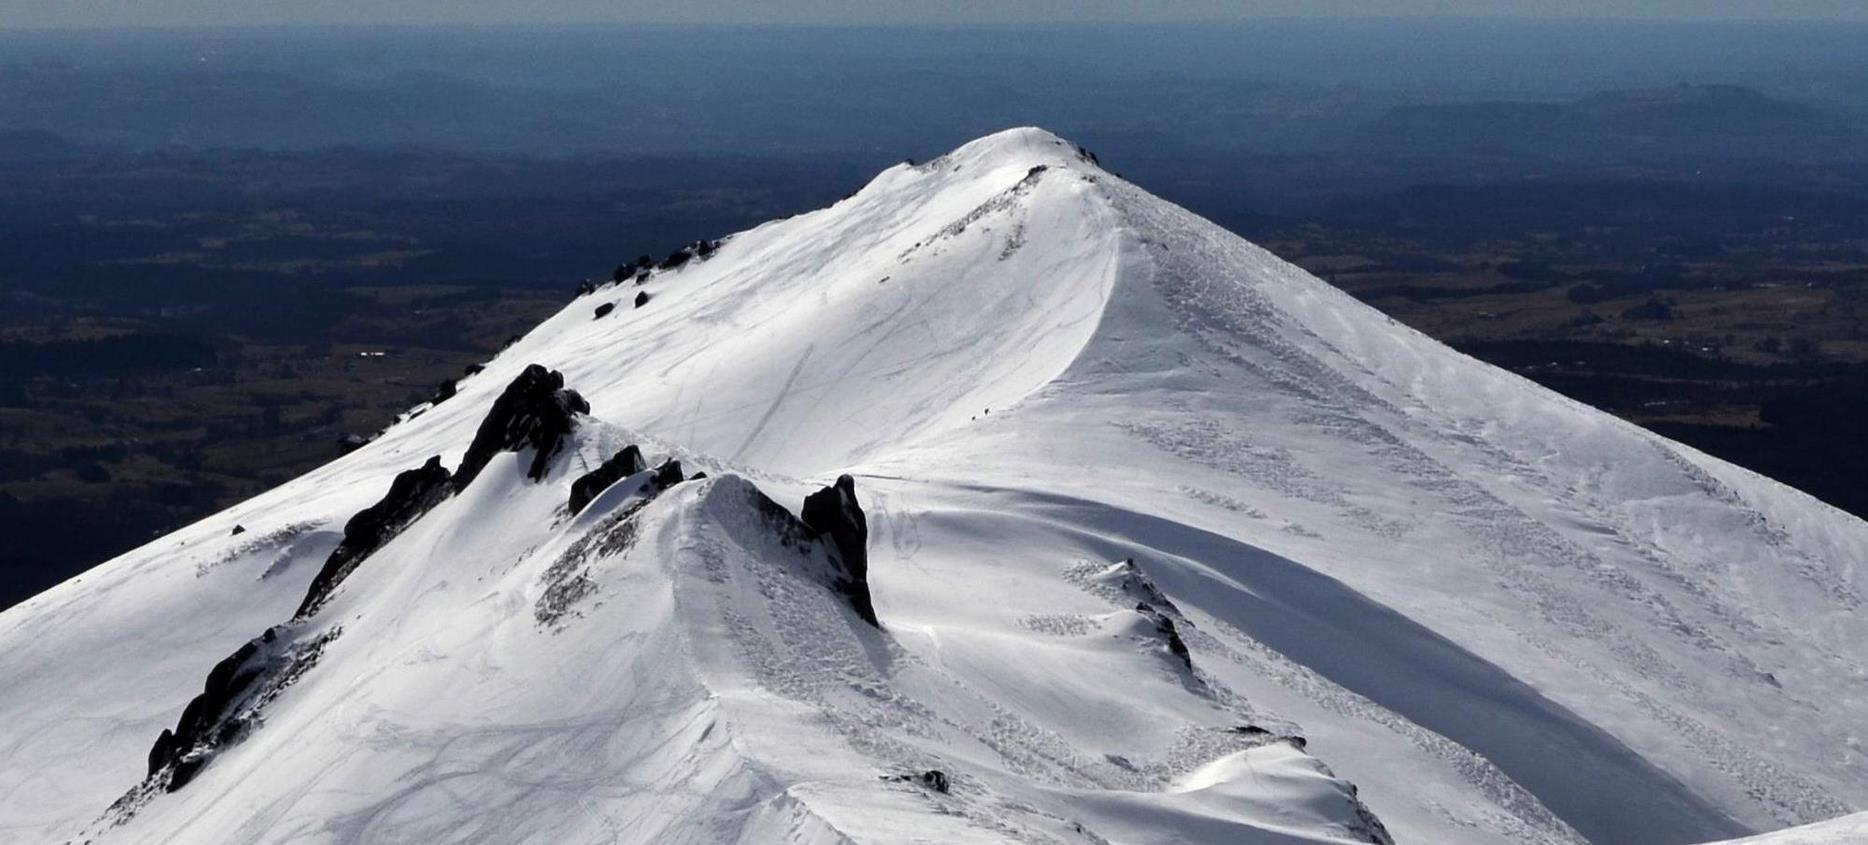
column 1416, row 592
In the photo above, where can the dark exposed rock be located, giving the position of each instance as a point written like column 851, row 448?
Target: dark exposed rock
column 162, row 752
column 605, row 309
column 1250, row 730
column 235, row 690
column 565, row 581
column 473, row 370
column 642, row 298
column 620, row 466
column 228, row 677
column 444, row 391
column 412, row 494
column 1124, row 582
column 667, row 475
column 697, row 249
column 834, row 513
column 623, row 271
column 1128, row 577
column 697, row 476
column 934, row 779
column 674, row 259
column 534, row 411
column 238, row 685
column 1036, row 169
column 1166, row 627
column 642, row 275
column 237, row 531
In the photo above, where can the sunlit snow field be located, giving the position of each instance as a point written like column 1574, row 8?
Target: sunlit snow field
column 1418, row 594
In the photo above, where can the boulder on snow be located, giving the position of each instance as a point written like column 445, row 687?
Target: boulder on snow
column 534, row 411
column 674, row 259
column 413, row 493
column 238, row 530
column 833, row 512
column 621, row 465
column 605, row 309
column 642, row 298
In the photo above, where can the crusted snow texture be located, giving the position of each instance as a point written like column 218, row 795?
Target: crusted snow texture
column 1498, row 616
column 535, row 412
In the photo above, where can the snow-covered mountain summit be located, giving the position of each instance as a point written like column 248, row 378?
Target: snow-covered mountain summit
column 1147, row 536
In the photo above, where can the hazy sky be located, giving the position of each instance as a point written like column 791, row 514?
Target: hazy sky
column 105, row 13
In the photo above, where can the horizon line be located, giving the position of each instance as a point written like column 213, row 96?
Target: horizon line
column 184, row 27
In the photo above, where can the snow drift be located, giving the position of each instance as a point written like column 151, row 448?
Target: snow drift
column 1147, row 536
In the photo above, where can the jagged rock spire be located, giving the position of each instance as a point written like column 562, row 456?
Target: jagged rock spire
column 535, row 410
column 834, row 513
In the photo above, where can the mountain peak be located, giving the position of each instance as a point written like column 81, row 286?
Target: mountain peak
column 1023, row 146
column 1366, row 584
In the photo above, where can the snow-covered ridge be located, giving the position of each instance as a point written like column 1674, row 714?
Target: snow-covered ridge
column 1848, row 830
column 1167, row 541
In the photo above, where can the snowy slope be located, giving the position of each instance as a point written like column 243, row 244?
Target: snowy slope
column 1409, row 587
column 1848, row 830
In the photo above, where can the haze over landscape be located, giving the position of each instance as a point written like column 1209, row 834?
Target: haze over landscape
column 118, row 13
column 822, row 452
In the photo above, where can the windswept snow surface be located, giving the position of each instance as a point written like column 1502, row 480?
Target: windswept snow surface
column 1848, row 830
column 1419, row 596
